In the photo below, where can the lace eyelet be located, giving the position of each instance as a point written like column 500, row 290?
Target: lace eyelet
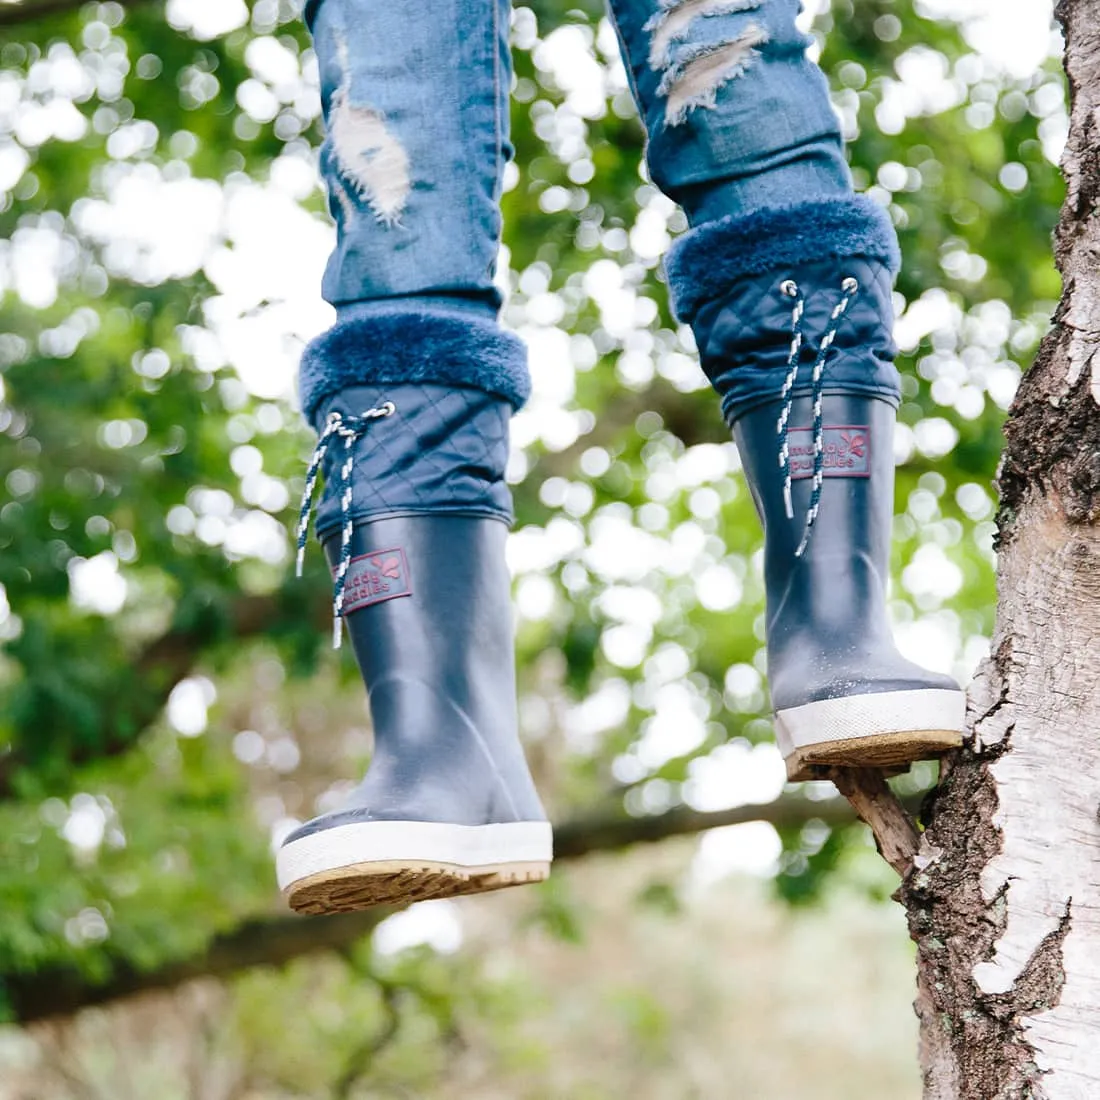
column 789, row 287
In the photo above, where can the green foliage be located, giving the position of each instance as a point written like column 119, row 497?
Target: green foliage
column 151, row 475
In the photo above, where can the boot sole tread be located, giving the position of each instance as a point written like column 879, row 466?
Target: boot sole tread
column 893, row 752
column 888, row 730
column 355, row 866
column 366, row 885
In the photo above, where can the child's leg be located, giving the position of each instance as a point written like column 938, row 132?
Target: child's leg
column 416, row 112
column 411, row 392
column 785, row 277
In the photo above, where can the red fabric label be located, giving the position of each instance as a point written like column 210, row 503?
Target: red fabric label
column 847, row 451
column 372, row 578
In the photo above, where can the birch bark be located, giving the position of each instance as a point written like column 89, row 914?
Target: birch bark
column 1003, row 895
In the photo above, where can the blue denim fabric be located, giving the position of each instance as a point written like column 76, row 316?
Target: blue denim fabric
column 739, row 128
column 766, row 136
column 416, row 113
column 437, row 82
column 432, row 83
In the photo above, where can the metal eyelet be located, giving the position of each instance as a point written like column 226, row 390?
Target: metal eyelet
column 789, row 287
column 850, row 285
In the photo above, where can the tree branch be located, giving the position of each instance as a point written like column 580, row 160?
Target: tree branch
column 613, row 832
column 876, row 804
column 361, row 1058
column 274, row 941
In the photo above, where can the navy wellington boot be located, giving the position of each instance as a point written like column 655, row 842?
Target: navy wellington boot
column 413, row 522
column 792, row 313
column 843, row 695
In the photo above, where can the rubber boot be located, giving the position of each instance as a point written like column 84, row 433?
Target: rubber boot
column 843, row 695
column 791, row 309
column 448, row 805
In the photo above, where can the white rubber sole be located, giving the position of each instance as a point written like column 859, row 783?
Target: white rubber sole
column 880, row 730
column 357, row 866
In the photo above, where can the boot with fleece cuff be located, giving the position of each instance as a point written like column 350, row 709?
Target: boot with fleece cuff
column 792, row 314
column 413, row 519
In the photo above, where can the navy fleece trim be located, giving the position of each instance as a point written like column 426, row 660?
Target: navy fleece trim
column 414, row 346
column 706, row 261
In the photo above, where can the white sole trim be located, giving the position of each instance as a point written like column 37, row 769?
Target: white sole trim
column 413, row 843
column 876, row 715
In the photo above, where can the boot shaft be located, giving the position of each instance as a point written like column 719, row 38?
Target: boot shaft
column 851, row 535
column 428, row 612
column 827, row 628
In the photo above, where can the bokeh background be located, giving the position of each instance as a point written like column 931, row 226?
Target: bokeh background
column 169, row 702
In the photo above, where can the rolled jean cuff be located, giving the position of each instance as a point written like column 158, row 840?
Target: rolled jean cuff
column 374, row 343
column 705, row 263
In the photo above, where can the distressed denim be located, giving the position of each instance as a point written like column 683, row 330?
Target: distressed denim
column 416, row 111
column 738, row 118
column 415, row 100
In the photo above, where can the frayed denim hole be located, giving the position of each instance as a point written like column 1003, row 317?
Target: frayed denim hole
column 674, row 20
column 698, row 76
column 373, row 165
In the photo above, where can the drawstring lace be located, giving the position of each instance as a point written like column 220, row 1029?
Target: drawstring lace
column 350, row 429
column 791, row 289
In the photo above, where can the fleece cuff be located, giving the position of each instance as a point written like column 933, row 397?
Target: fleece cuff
column 704, row 263
column 449, row 349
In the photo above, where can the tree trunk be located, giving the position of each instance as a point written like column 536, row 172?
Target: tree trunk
column 1003, row 896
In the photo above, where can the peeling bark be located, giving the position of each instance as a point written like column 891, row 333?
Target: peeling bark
column 1003, row 895
column 1053, row 432
column 1008, row 862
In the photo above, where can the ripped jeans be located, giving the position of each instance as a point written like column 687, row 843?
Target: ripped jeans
column 416, row 101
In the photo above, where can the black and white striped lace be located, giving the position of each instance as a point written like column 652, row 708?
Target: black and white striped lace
column 791, row 289
column 350, row 429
